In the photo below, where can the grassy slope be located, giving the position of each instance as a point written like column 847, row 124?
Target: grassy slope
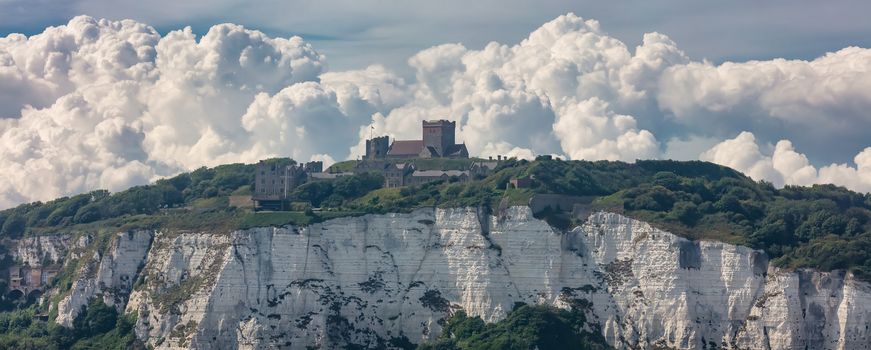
column 823, row 227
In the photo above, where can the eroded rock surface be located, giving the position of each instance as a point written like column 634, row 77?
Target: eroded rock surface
column 374, row 279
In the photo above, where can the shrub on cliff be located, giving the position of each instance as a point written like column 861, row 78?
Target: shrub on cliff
column 527, row 327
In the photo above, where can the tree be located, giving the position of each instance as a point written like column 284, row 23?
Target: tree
column 14, row 226
column 685, row 212
column 89, row 213
column 96, row 318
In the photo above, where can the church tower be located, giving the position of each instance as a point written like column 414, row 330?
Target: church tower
column 439, row 135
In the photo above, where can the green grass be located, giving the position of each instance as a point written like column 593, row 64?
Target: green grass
column 518, row 196
column 296, row 218
column 274, row 219
column 242, row 191
column 209, row 203
column 342, row 167
column 612, row 202
column 379, row 195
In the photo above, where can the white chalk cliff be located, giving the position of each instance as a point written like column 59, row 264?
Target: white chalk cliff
column 373, row 279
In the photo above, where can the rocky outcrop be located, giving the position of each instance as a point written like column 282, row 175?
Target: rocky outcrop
column 110, row 275
column 376, row 279
column 42, row 250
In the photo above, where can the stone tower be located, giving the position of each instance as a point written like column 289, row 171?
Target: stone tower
column 376, row 148
column 439, row 134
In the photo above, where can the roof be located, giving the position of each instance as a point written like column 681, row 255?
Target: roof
column 437, row 173
column 329, row 176
column 398, row 165
column 457, row 150
column 405, row 147
column 430, row 152
column 488, row 164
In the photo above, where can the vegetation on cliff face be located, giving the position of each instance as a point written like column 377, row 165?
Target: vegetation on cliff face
column 823, row 227
column 98, row 327
column 526, row 327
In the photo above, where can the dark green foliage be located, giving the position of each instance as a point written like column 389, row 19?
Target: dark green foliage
column 335, row 193
column 690, row 169
column 66, row 209
column 89, row 213
column 314, row 192
column 140, row 200
column 448, row 193
column 96, row 318
column 357, row 185
column 98, row 327
column 526, row 327
column 14, row 226
column 655, row 198
column 796, row 226
column 686, row 212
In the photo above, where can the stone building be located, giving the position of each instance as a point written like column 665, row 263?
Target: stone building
column 30, row 281
column 395, row 174
column 275, row 179
column 520, row 182
column 377, row 148
column 439, row 141
column 480, row 170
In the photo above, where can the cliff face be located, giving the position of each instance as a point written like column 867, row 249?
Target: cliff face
column 109, row 276
column 373, row 279
column 42, row 250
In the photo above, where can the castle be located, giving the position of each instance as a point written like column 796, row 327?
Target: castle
column 439, row 141
column 276, row 179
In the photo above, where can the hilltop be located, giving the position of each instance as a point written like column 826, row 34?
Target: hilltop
column 823, row 226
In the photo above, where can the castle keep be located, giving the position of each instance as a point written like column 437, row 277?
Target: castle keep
column 439, row 141
column 277, row 178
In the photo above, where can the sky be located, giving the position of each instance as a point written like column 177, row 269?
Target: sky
column 98, row 94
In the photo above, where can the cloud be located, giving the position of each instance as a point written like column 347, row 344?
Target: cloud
column 743, row 154
column 299, row 121
column 562, row 90
column 785, row 166
column 35, row 71
column 823, row 102
column 110, row 104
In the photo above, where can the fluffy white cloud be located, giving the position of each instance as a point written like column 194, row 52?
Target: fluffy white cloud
column 785, row 166
column 589, row 130
column 300, row 121
column 105, row 104
column 823, row 102
column 110, row 104
column 566, row 89
column 743, row 154
column 37, row 70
